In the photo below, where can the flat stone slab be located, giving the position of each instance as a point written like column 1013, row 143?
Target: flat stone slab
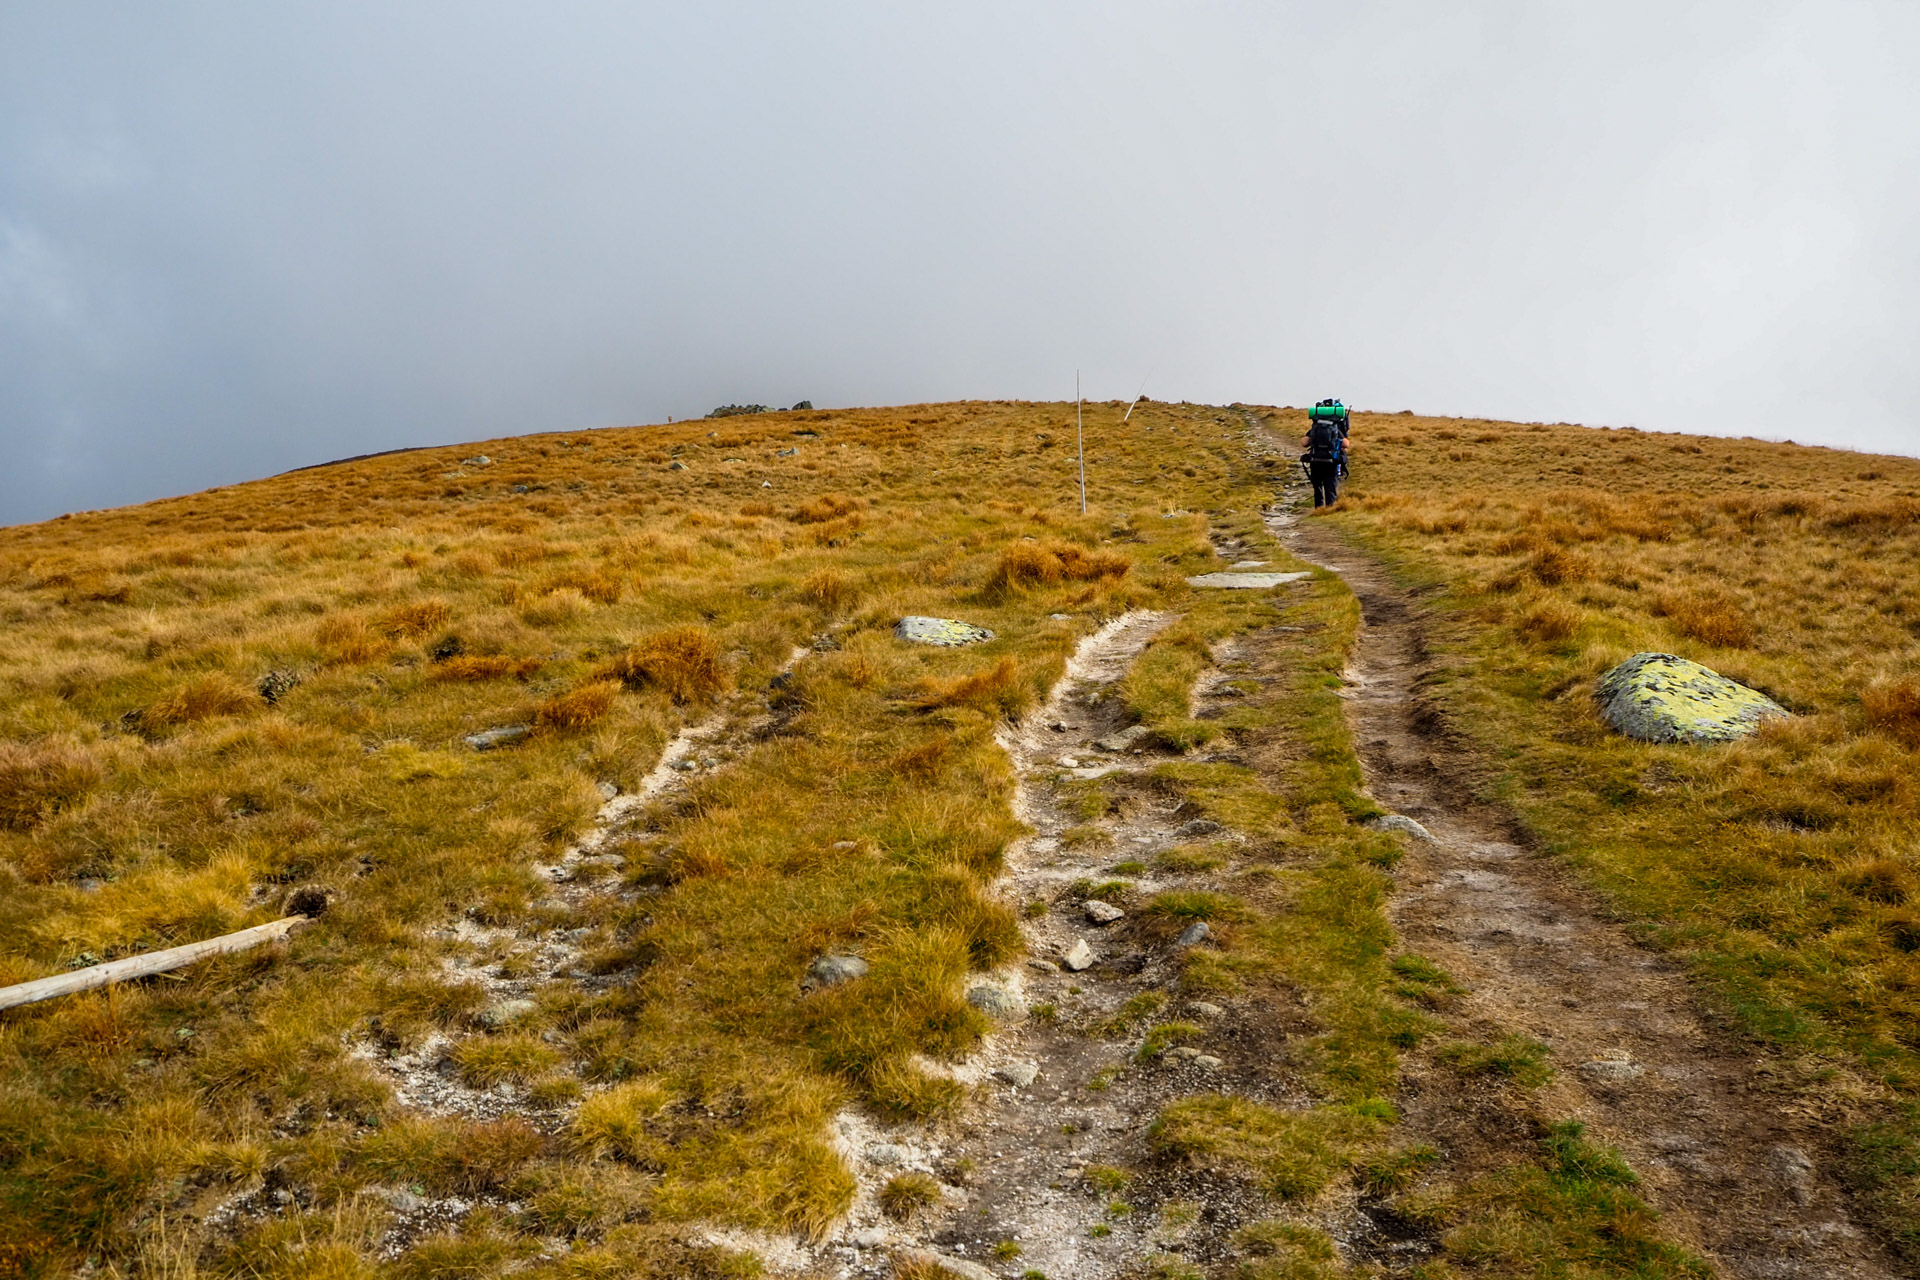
column 1247, row 581
column 947, row 632
column 1661, row 697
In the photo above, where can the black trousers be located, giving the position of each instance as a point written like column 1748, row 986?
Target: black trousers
column 1326, row 482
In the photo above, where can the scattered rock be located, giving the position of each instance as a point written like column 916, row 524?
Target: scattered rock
column 735, row 410
column 481, row 461
column 1102, row 912
column 1059, row 726
column 1241, row 565
column 503, row 1012
column 686, row 765
column 1069, row 762
column 400, row 1200
column 1203, row 1009
column 1125, row 740
column 946, row 632
column 888, row 1153
column 607, row 790
column 1184, row 1052
column 870, row 1237
column 1795, row 1168
column 1198, row 827
column 1207, row 1062
column 1612, row 1070
column 522, row 488
column 831, row 971
column 785, row 453
column 276, row 684
column 1079, row 956
column 501, row 736
column 1401, row 822
column 1660, row 697
column 1194, row 934
column 676, row 465
column 994, row 1001
column 1246, row 581
column 1018, row 1074
column 1060, row 617
column 1044, row 966
column 797, row 406
column 845, row 845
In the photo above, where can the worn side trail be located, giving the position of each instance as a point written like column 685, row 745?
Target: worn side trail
column 1737, row 1176
column 1060, row 1089
column 513, row 965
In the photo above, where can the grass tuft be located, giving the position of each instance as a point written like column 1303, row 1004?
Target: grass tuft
column 683, row 662
column 39, row 781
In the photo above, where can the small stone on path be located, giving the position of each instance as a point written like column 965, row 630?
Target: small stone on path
column 1044, row 966
column 1611, row 1069
column 1207, row 1062
column 1198, row 827
column 1203, row 1009
column 1102, row 912
column 995, row 1002
column 1246, row 581
column 1401, row 822
column 1018, row 1074
column 1194, row 934
column 502, row 1012
column 1125, row 740
column 1079, row 956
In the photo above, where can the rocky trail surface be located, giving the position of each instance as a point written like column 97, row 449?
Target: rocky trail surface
column 1030, row 1176
column 1738, row 1176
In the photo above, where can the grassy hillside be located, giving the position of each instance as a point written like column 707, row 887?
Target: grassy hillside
column 214, row 704
column 217, row 701
column 1784, row 868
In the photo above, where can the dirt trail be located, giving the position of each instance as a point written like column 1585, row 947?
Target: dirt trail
column 1064, row 1088
column 1737, row 1176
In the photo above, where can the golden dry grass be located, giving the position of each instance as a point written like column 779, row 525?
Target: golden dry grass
column 151, row 794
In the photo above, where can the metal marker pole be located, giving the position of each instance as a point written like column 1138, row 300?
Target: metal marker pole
column 1080, row 438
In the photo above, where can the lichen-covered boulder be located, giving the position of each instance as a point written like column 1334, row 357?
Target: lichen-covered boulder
column 940, row 631
column 1659, row 697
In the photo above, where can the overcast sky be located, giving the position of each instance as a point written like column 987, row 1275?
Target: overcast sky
column 238, row 238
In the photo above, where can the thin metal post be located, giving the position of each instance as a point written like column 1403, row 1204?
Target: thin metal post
column 1080, row 438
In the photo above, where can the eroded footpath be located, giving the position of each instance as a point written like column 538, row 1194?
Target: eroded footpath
column 1737, row 1177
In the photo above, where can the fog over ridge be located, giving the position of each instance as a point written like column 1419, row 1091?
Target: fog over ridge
column 236, row 240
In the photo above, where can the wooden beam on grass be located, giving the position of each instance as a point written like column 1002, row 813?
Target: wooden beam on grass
column 101, row 975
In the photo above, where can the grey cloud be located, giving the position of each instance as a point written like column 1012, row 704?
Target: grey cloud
column 236, row 239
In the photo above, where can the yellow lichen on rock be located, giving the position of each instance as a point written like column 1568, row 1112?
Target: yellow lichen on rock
column 1661, row 697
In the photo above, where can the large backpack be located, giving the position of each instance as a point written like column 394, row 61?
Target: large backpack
column 1323, row 441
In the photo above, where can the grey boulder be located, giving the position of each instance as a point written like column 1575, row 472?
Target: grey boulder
column 945, row 632
column 1661, row 697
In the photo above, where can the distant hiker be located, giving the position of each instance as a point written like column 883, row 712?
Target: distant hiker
column 1326, row 448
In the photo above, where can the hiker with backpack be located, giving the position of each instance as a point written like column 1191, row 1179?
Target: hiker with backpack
column 1326, row 455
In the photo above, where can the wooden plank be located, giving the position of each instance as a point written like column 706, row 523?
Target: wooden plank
column 100, row 975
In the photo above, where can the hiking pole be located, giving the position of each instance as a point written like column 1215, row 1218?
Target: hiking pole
column 1136, row 397
column 1080, row 439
